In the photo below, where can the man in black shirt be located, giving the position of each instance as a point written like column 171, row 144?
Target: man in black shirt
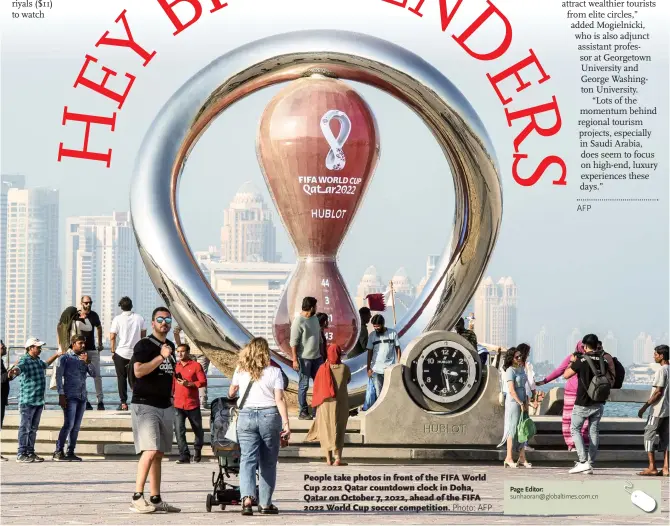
column 152, row 414
column 585, row 407
column 92, row 350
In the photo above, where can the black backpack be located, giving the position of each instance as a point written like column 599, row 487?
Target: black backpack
column 619, row 374
column 600, row 386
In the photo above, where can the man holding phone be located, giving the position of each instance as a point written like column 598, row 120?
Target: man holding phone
column 151, row 410
column 189, row 378
column 71, row 373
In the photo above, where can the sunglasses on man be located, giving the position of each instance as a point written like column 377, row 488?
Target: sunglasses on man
column 161, row 319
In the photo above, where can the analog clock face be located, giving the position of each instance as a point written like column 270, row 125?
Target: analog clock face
column 445, row 372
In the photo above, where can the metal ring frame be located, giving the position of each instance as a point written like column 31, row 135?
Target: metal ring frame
column 345, row 55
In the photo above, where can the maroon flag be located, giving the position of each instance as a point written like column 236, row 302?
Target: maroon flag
column 376, row 302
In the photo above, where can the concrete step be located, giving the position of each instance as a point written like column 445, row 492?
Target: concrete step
column 622, row 440
column 95, row 436
column 538, row 456
column 123, row 437
column 120, row 420
column 45, row 449
column 108, row 435
column 552, row 424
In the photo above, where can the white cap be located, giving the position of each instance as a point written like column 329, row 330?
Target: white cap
column 33, row 341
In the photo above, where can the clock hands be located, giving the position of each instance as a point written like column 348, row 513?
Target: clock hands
column 445, row 374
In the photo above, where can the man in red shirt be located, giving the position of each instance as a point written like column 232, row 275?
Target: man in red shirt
column 188, row 378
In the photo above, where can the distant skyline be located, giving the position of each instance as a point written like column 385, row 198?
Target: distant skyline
column 637, row 350
column 598, row 271
column 546, row 343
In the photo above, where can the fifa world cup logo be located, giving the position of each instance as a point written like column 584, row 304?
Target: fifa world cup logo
column 335, row 160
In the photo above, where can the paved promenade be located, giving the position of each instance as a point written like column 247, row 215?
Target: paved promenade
column 98, row 492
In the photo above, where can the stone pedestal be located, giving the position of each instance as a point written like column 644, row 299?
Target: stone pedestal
column 396, row 419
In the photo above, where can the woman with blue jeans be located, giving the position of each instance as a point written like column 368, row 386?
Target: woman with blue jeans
column 262, row 420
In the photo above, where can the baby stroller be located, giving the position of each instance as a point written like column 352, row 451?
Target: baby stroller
column 227, row 454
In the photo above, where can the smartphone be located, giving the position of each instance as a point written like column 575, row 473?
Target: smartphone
column 283, row 440
column 178, row 376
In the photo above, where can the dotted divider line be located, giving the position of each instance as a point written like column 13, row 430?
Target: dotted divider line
column 628, row 200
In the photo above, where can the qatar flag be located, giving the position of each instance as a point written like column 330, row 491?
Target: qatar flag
column 376, row 302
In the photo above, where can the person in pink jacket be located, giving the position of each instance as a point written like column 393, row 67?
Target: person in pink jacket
column 569, row 397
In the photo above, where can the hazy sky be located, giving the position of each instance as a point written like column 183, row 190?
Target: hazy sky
column 598, row 271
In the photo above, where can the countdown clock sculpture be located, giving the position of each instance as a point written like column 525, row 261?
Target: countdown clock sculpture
column 440, row 393
column 345, row 56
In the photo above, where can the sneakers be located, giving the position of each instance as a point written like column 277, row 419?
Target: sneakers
column 184, row 460
column 101, row 406
column 528, row 448
column 164, row 507
column 305, row 416
column 89, row 407
column 25, row 459
column 3, row 459
column 36, row 458
column 141, row 506
column 582, row 467
column 198, row 456
column 59, row 456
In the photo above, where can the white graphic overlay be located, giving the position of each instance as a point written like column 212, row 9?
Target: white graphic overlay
column 335, row 159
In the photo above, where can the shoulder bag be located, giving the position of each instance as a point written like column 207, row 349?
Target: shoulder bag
column 526, row 428
column 231, row 434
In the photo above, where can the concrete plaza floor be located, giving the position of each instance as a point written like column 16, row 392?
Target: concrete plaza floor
column 99, row 492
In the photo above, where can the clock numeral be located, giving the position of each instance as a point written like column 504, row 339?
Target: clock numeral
column 460, row 362
column 460, row 379
column 428, row 380
column 430, row 360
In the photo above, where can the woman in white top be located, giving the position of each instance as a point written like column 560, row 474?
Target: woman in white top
column 262, row 419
